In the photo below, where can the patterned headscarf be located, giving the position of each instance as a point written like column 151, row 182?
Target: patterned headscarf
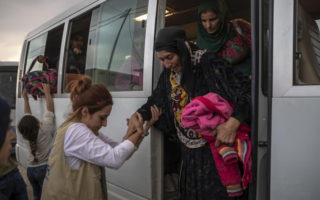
column 213, row 42
column 4, row 120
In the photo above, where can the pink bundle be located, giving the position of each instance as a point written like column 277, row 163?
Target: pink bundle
column 203, row 114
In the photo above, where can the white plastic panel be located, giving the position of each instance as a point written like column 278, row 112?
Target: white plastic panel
column 295, row 160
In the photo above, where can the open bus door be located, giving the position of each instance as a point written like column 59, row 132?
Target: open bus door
column 295, row 100
column 286, row 44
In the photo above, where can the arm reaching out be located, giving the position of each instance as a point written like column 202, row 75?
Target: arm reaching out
column 156, row 112
column 26, row 102
column 46, row 90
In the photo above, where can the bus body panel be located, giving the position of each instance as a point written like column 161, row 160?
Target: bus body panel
column 295, row 150
column 294, row 159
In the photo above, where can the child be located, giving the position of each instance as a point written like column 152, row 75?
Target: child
column 40, row 135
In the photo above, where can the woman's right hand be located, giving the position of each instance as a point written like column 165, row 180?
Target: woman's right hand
column 156, row 112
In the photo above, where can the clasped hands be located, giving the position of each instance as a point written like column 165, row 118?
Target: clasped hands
column 136, row 125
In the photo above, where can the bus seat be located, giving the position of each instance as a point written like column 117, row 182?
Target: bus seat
column 308, row 41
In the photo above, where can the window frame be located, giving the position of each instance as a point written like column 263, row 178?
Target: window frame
column 283, row 58
column 23, row 60
column 65, row 20
column 148, row 57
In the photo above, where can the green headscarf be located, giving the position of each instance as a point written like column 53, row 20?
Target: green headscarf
column 213, row 42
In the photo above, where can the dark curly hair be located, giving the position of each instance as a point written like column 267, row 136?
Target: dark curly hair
column 29, row 129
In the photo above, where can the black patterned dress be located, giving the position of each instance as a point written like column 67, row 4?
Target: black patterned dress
column 199, row 177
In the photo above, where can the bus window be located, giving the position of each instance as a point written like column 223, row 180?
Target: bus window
column 119, row 46
column 36, row 47
column 53, row 46
column 307, row 65
column 75, row 55
column 47, row 44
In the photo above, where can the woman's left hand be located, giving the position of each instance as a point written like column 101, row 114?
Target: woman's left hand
column 226, row 132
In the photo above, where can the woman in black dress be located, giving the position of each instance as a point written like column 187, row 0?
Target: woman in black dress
column 188, row 73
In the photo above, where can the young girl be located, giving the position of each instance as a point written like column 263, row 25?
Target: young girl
column 40, row 135
column 80, row 151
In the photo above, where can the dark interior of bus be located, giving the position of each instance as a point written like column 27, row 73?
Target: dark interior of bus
column 53, row 46
column 184, row 13
column 79, row 26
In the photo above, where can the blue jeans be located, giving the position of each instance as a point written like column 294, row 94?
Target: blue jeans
column 13, row 187
column 36, row 176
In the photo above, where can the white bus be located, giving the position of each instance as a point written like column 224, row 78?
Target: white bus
column 285, row 85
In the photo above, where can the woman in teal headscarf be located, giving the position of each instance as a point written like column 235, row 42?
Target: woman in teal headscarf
column 229, row 39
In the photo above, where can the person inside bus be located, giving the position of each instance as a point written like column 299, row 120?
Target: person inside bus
column 188, row 73
column 12, row 185
column 40, row 136
column 230, row 40
column 76, row 55
column 76, row 166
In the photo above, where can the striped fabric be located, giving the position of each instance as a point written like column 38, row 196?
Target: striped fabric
column 228, row 154
column 234, row 190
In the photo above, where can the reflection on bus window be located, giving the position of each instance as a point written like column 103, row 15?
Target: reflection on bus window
column 307, row 70
column 75, row 64
column 36, row 47
column 118, row 43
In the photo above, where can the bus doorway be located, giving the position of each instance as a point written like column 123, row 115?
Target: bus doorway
column 185, row 14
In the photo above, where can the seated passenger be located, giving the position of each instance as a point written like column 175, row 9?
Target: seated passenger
column 76, row 55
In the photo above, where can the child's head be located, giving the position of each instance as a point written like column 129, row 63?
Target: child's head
column 29, row 128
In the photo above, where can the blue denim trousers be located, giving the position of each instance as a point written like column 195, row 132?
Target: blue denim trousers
column 13, row 187
column 36, row 176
